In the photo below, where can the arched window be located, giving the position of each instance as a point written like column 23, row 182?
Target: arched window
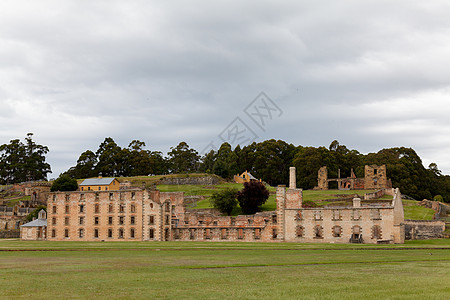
column 318, row 232
column 299, row 231
column 337, row 231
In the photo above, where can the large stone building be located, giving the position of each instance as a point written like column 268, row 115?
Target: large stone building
column 143, row 215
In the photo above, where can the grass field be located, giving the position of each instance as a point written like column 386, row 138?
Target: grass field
column 183, row 270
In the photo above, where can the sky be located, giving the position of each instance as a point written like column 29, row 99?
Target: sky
column 370, row 74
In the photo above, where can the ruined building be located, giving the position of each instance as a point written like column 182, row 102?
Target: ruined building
column 151, row 215
column 374, row 178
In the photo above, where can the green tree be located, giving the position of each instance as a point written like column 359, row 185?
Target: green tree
column 183, row 159
column 34, row 214
column 225, row 200
column 110, row 158
column 207, row 162
column 226, row 162
column 252, row 196
column 23, row 162
column 64, row 183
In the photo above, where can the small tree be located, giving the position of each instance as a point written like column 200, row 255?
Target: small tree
column 438, row 198
column 64, row 183
column 225, row 200
column 252, row 196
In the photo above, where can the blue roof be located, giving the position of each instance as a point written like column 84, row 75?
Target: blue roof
column 97, row 181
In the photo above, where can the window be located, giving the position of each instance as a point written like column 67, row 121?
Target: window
column 66, row 221
column 81, row 208
column 111, row 196
column 81, row 219
column 376, row 232
column 97, row 195
column 223, row 233
column 133, row 195
column 54, row 209
column 257, row 233
column 132, row 220
column 299, row 216
column 177, row 234
column 167, row 206
column 99, row 188
column 54, row 198
column 337, row 231
column 274, row 233
column 96, row 220
column 192, row 234
column 121, row 208
column 356, row 214
column 67, row 209
column 318, row 215
column 375, row 171
column 151, row 220
column 110, row 208
column 336, row 215
column 299, row 231
column 133, row 208
column 67, row 197
column 376, row 215
column 66, row 233
column 96, row 208
column 151, row 205
column 151, row 233
column 53, row 233
column 53, row 221
column 89, row 188
column 96, row 232
column 121, row 233
column 132, row 233
column 167, row 220
column 240, row 233
column 81, row 197
column 110, row 220
column 121, row 196
column 110, row 233
column 207, row 234
column 120, row 220
column 318, row 232
column 81, row 233
column 274, row 219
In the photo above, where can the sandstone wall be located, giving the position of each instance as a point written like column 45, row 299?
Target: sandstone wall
column 423, row 230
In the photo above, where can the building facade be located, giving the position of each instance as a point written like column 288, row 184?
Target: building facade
column 100, row 184
column 145, row 215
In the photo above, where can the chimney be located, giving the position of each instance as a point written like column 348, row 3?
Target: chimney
column 356, row 202
column 292, row 180
column 100, row 175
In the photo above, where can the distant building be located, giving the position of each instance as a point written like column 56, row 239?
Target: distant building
column 145, row 215
column 245, row 177
column 35, row 230
column 100, row 184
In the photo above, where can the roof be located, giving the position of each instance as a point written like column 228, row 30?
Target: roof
column 251, row 176
column 36, row 223
column 98, row 181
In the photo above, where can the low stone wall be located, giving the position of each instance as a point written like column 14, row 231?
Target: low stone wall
column 374, row 195
column 424, row 230
column 9, row 234
column 205, row 180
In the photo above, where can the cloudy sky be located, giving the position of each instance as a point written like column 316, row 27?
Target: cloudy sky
column 371, row 74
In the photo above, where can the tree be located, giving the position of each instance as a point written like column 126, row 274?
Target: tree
column 64, row 183
column 110, row 158
column 34, row 214
column 23, row 162
column 225, row 201
column 183, row 159
column 252, row 196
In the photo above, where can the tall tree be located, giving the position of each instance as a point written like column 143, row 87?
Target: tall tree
column 183, row 159
column 110, row 158
column 23, row 162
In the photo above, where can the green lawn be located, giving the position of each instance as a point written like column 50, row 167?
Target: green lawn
column 183, row 270
column 415, row 212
